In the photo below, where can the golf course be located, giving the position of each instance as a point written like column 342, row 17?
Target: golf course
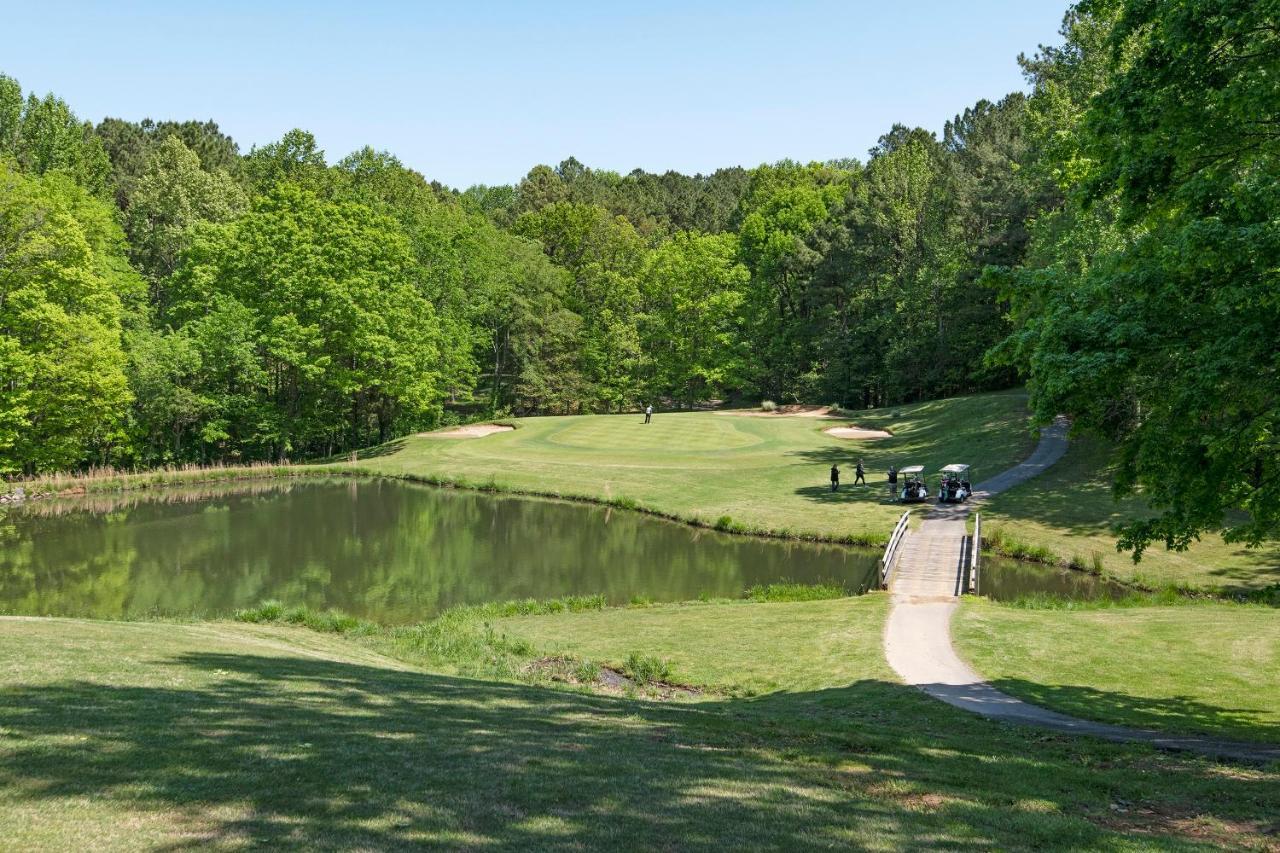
column 756, row 719
column 664, row 427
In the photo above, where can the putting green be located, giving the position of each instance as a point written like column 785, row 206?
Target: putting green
column 608, row 433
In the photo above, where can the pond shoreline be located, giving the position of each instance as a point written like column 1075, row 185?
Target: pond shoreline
column 62, row 487
column 168, row 478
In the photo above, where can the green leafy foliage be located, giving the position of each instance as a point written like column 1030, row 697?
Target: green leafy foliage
column 1148, row 308
column 63, row 276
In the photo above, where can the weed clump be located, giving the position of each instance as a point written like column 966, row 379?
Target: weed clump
column 1001, row 542
column 795, row 592
column 646, row 669
column 586, row 672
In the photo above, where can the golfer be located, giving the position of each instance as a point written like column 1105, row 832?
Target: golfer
column 835, row 478
column 893, row 482
column 860, row 475
column 648, row 413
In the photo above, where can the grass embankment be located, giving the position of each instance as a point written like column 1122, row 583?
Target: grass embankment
column 729, row 470
column 98, row 480
column 128, row 735
column 1196, row 667
column 1066, row 514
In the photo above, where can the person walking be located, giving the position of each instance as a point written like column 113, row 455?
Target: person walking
column 860, row 476
column 648, row 413
column 893, row 482
column 835, row 478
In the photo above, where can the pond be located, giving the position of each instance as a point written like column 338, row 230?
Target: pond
column 1004, row 580
column 398, row 552
column 386, row 550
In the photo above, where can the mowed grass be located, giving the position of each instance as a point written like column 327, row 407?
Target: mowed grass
column 1204, row 668
column 766, row 474
column 1069, row 511
column 220, row 736
column 745, row 647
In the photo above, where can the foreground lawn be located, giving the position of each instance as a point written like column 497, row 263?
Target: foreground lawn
column 1069, row 511
column 1201, row 668
column 128, row 736
column 764, row 473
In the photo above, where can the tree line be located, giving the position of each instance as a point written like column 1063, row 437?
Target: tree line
column 1109, row 238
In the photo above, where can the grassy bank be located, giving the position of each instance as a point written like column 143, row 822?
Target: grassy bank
column 103, row 480
column 1196, row 667
column 1066, row 515
column 224, row 735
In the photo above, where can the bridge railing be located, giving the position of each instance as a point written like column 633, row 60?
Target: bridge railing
column 891, row 549
column 975, row 556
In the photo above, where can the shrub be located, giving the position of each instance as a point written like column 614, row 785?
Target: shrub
column 768, row 406
column 646, row 669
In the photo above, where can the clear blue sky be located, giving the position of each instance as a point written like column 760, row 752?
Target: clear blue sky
column 471, row 92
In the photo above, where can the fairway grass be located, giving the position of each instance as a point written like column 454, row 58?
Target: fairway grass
column 749, row 474
column 121, row 736
column 1196, row 668
column 1069, row 511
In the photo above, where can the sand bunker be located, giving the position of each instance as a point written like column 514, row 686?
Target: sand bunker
column 857, row 432
column 470, row 431
column 785, row 412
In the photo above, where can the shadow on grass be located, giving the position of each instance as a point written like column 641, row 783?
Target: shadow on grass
column 1172, row 714
column 390, row 448
column 300, row 752
column 847, row 494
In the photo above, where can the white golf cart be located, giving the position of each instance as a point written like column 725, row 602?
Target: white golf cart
column 956, row 487
column 911, row 485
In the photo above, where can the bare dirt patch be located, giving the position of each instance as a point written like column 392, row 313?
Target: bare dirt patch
column 470, row 431
column 857, row 433
column 1187, row 822
column 608, row 680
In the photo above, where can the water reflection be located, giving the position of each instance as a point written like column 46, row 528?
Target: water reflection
column 1006, row 580
column 385, row 550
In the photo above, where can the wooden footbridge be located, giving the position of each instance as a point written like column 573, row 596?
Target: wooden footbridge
column 938, row 559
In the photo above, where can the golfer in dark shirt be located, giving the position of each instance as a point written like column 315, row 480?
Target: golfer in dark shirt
column 859, row 475
column 835, row 478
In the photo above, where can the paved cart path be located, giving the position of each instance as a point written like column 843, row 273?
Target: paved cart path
column 926, row 584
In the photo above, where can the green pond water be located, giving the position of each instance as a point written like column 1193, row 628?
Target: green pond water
column 396, row 552
column 390, row 551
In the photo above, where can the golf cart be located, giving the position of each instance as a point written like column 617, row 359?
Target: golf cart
column 913, row 488
column 955, row 486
